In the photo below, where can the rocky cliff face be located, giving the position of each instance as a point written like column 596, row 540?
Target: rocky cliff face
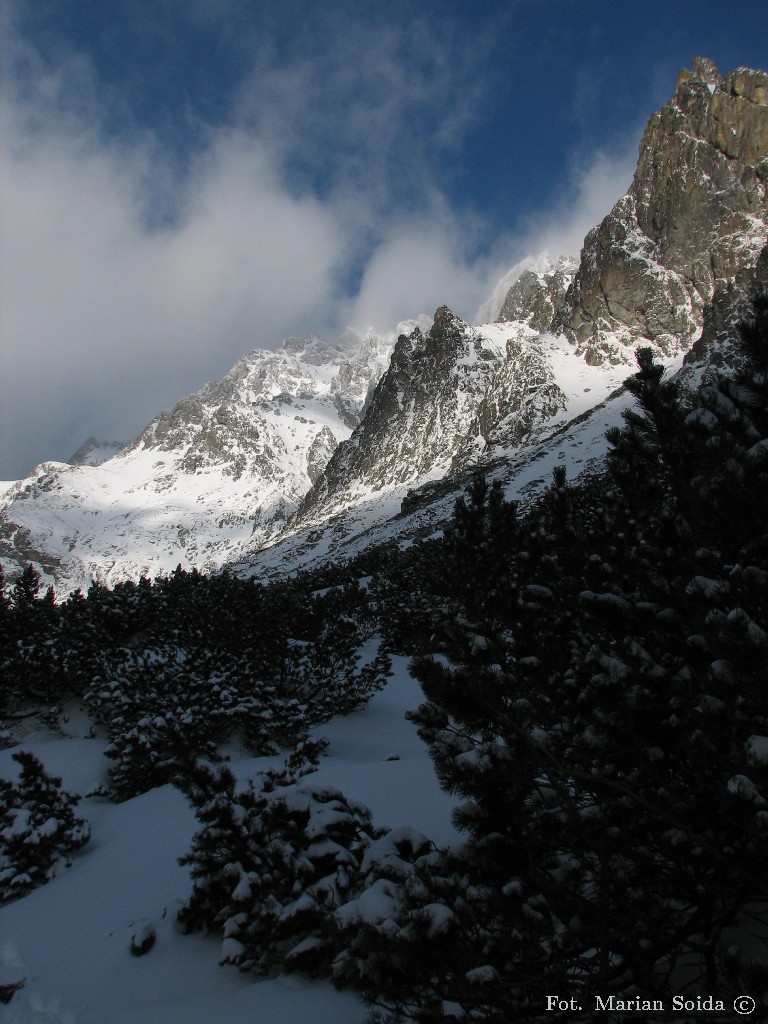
column 537, row 296
column 673, row 255
column 419, row 413
column 692, row 226
column 523, row 395
column 453, row 399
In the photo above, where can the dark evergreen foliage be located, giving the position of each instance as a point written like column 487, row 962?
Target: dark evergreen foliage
column 8, row 990
column 171, row 669
column 604, row 723
column 270, row 865
column 594, row 678
column 38, row 828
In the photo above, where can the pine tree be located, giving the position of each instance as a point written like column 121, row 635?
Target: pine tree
column 478, row 545
column 39, row 828
column 270, row 864
column 611, row 752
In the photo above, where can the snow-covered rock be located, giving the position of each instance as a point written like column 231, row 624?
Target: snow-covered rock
column 220, row 472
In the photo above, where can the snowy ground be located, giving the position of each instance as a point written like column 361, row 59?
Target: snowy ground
column 70, row 939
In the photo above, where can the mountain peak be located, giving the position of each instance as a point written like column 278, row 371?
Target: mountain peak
column 326, row 427
column 703, row 72
column 693, row 223
column 314, row 349
column 93, row 452
column 538, row 293
column 445, row 317
column 417, row 417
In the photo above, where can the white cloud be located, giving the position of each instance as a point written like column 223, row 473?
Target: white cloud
column 111, row 312
column 597, row 183
column 106, row 321
column 417, row 268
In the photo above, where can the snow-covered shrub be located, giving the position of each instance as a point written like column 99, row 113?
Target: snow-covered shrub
column 305, row 756
column 165, row 707
column 270, row 866
column 160, row 715
column 296, row 877
column 428, row 930
column 381, row 930
column 325, row 673
column 38, row 828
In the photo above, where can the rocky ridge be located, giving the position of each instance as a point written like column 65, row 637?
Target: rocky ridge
column 221, row 471
column 692, row 227
column 94, row 451
column 453, row 398
column 419, row 411
column 343, row 434
column 683, row 248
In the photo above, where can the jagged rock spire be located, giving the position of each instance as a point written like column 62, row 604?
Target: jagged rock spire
column 694, row 221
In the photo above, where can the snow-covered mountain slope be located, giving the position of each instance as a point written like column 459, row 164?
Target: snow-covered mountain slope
column 221, row 471
column 452, row 399
column 692, row 229
column 316, row 436
column 403, row 513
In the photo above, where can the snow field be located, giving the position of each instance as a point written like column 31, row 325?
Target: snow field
column 71, row 938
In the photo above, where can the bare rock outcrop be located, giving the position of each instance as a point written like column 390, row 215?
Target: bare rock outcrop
column 693, row 223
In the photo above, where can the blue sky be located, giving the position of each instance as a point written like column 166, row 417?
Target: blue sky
column 186, row 180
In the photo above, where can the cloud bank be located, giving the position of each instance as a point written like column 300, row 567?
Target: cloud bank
column 127, row 281
column 105, row 320
column 596, row 183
